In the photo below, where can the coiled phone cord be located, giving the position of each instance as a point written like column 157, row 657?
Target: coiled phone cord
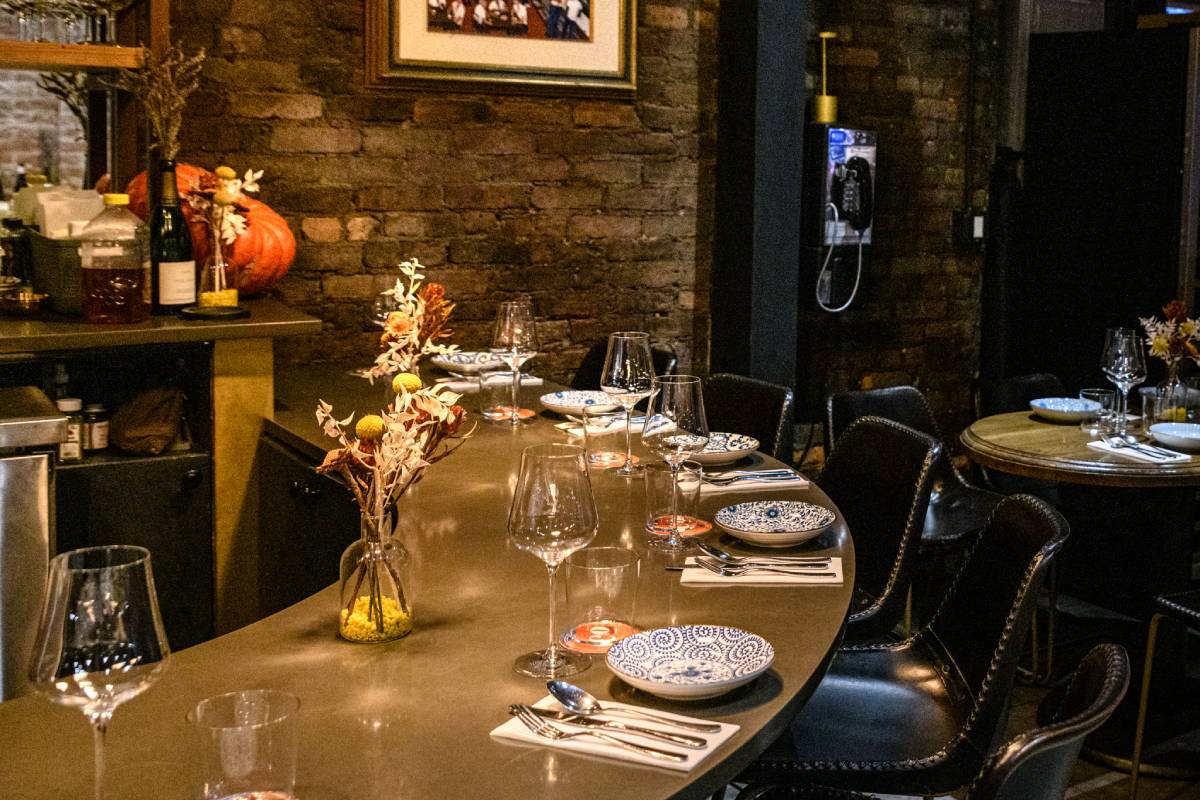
column 825, row 267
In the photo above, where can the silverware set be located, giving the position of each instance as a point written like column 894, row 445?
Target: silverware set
column 1127, row 441
column 735, row 570
column 734, row 476
column 534, row 722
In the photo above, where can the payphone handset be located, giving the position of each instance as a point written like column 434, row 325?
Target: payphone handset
column 850, row 191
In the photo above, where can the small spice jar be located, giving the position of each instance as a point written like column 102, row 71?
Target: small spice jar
column 95, row 426
column 72, row 449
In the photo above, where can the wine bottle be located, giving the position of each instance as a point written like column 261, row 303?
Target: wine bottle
column 173, row 266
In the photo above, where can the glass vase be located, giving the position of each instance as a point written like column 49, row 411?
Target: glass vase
column 218, row 280
column 1173, row 396
column 376, row 593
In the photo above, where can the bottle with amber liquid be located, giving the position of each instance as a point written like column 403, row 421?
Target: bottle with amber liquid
column 114, row 256
column 172, row 265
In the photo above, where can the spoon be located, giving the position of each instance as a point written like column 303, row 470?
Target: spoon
column 578, row 701
column 730, row 558
column 1117, row 443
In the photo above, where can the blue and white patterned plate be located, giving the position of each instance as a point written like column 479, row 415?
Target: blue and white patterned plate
column 1063, row 409
column 725, row 448
column 775, row 523
column 690, row 662
column 465, row 362
column 574, row 402
column 1179, row 435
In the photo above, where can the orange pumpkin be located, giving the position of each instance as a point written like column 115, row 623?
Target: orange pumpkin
column 261, row 255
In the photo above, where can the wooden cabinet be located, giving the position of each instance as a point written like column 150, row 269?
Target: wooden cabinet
column 306, row 520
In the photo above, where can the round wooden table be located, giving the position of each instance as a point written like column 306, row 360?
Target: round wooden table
column 1132, row 526
column 1021, row 443
column 411, row 718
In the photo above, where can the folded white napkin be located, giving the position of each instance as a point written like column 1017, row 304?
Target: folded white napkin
column 515, row 730
column 467, row 385
column 798, row 482
column 616, row 425
column 1138, row 455
column 698, row 576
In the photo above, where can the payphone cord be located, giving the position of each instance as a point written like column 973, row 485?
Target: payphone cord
column 825, row 269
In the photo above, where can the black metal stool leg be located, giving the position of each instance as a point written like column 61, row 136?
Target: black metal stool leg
column 1139, row 731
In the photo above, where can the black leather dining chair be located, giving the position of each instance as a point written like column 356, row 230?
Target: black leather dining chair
column 1184, row 608
column 587, row 376
column 880, row 476
column 919, row 716
column 1002, row 395
column 956, row 508
column 1035, row 765
column 738, row 404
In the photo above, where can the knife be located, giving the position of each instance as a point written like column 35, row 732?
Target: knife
column 694, row 742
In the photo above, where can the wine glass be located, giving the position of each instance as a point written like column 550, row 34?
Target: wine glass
column 381, row 307
column 675, row 429
column 627, row 376
column 101, row 639
column 1124, row 363
column 552, row 515
column 515, row 341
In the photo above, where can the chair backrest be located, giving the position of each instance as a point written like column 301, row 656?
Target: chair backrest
column 979, row 628
column 587, row 376
column 737, row 404
column 903, row 404
column 1014, row 394
column 880, row 476
column 1037, row 765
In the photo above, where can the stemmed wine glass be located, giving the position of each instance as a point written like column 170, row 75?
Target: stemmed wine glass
column 515, row 341
column 627, row 376
column 1124, row 363
column 101, row 639
column 552, row 515
column 675, row 429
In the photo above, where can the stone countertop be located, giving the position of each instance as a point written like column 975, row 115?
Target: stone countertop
column 268, row 319
column 411, row 718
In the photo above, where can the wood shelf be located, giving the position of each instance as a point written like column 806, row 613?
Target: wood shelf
column 48, row 56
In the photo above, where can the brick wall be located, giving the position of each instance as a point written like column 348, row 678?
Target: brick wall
column 36, row 129
column 597, row 207
column 901, row 69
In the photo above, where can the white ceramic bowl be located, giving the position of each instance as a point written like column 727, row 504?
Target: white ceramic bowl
column 1063, row 409
column 1177, row 435
column 690, row 662
column 574, row 402
column 775, row 523
column 465, row 362
column 725, row 448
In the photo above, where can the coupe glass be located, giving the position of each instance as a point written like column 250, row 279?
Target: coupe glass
column 627, row 376
column 552, row 515
column 1124, row 363
column 675, row 429
column 101, row 640
column 515, row 341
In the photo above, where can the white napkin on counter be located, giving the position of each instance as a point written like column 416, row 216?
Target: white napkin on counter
column 698, row 576
column 468, row 385
column 798, row 482
column 515, row 730
column 615, row 425
column 1138, row 455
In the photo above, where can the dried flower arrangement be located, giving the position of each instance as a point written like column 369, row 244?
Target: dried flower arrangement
column 383, row 457
column 72, row 89
column 1173, row 338
column 415, row 327
column 163, row 85
column 219, row 196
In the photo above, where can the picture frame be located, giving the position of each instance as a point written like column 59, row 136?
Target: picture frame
column 548, row 47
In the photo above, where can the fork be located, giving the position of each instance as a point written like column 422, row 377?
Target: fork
column 722, row 556
column 548, row 731
column 732, row 571
column 1118, row 443
column 725, row 480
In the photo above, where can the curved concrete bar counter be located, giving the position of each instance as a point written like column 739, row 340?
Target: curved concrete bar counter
column 410, row 719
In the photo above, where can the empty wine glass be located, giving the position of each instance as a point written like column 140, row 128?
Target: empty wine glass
column 101, row 639
column 675, row 429
column 383, row 305
column 1124, row 363
column 627, row 375
column 552, row 515
column 515, row 341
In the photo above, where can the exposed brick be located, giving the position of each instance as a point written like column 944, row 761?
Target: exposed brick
column 322, row 229
column 660, row 16
column 359, row 229
column 277, row 106
column 566, row 196
column 315, row 140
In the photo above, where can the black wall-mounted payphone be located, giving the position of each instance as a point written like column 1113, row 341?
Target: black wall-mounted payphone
column 838, row 207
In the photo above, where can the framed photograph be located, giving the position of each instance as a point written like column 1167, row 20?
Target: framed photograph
column 560, row 47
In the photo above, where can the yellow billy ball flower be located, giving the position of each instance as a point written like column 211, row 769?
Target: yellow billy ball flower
column 226, row 173
column 406, row 381
column 224, row 197
column 370, row 427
